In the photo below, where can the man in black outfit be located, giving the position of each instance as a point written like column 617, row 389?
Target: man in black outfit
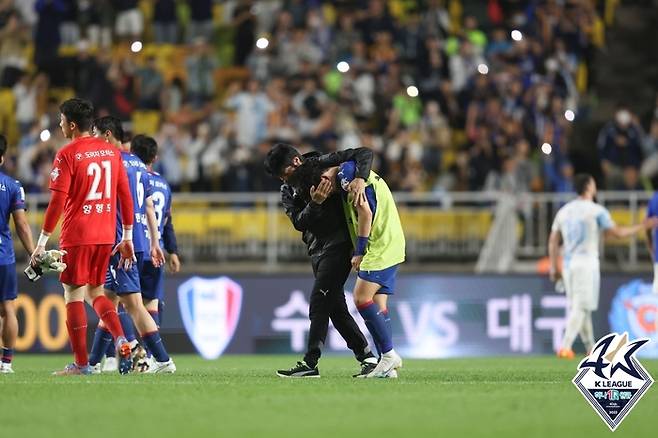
column 320, row 218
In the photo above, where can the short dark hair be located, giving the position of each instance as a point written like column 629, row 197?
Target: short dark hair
column 280, row 157
column 307, row 175
column 145, row 147
column 110, row 123
column 3, row 145
column 78, row 111
column 581, row 181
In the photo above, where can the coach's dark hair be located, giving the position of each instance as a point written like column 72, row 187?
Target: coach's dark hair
column 307, row 175
column 581, row 181
column 78, row 111
column 109, row 123
column 3, row 145
column 280, row 157
column 145, row 147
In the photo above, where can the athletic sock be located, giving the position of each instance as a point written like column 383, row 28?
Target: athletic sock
column 102, row 340
column 111, row 350
column 156, row 317
column 574, row 324
column 387, row 320
column 370, row 313
column 108, row 314
column 76, row 323
column 155, row 346
column 371, row 329
column 7, row 355
column 127, row 324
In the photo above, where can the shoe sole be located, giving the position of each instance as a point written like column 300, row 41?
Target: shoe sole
column 313, row 376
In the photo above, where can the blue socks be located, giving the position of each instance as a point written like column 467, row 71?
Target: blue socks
column 7, row 355
column 102, row 340
column 377, row 325
column 154, row 344
column 126, row 324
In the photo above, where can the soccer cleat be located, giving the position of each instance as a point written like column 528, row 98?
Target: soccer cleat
column 138, row 355
column 565, row 353
column 143, row 365
column 124, row 356
column 5, row 368
column 393, row 374
column 366, row 368
column 74, row 370
column 300, row 370
column 390, row 361
column 110, row 365
column 162, row 367
column 96, row 369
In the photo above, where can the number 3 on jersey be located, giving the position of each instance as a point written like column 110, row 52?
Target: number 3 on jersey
column 96, row 172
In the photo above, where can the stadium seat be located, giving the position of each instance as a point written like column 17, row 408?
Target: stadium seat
column 146, row 122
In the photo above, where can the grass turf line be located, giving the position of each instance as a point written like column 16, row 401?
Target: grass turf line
column 241, row 396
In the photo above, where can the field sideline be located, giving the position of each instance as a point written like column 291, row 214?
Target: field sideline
column 241, row 396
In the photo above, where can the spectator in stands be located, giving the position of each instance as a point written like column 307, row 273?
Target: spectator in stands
column 26, row 94
column 14, row 40
column 148, row 85
column 252, row 107
column 165, row 22
column 70, row 28
column 129, row 19
column 47, row 34
column 620, row 149
column 200, row 65
column 244, row 23
column 200, row 25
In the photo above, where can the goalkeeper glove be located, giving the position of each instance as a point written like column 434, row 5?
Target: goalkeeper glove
column 49, row 261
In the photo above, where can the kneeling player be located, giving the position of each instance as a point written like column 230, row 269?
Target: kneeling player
column 379, row 249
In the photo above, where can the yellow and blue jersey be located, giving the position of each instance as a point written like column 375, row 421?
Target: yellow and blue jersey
column 12, row 198
column 386, row 243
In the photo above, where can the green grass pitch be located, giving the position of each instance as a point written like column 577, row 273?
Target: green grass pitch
column 239, row 396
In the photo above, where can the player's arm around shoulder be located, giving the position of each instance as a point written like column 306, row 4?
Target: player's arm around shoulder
column 364, row 216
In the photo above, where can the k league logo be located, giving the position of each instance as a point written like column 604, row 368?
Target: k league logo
column 612, row 379
column 210, row 309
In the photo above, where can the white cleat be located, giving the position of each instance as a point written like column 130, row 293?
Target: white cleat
column 390, row 361
column 96, row 369
column 5, row 368
column 110, row 365
column 393, row 374
column 162, row 367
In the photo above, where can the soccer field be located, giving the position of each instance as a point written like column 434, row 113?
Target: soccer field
column 241, row 396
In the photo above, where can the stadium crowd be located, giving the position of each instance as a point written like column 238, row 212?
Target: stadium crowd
column 449, row 95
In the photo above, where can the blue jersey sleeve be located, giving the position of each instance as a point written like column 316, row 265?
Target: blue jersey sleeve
column 346, row 174
column 652, row 209
column 17, row 198
column 169, row 236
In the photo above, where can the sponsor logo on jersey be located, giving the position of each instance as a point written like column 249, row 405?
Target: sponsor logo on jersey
column 210, row 309
column 611, row 378
column 55, row 173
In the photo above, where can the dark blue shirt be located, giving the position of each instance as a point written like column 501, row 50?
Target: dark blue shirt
column 140, row 189
column 161, row 197
column 12, row 198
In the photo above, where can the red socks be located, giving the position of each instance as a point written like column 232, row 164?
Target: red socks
column 108, row 314
column 76, row 323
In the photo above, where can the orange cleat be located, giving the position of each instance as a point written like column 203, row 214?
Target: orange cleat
column 565, row 353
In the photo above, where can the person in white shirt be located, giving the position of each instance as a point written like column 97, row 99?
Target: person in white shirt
column 577, row 228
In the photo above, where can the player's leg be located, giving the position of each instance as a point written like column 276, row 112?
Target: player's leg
column 148, row 331
column 319, row 323
column 575, row 320
column 8, row 320
column 76, row 324
column 9, row 331
column 587, row 332
column 343, row 320
column 103, row 344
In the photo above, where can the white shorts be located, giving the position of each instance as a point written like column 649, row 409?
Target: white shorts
column 582, row 281
column 655, row 278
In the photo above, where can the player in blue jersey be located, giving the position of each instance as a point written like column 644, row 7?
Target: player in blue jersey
column 124, row 284
column 12, row 203
column 152, row 276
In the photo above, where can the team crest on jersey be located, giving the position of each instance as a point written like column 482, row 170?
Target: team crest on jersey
column 611, row 378
column 633, row 310
column 55, row 173
column 210, row 309
column 78, row 156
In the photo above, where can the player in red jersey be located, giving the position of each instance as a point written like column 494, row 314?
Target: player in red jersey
column 86, row 182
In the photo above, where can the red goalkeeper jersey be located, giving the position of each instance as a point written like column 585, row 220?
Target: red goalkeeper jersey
column 91, row 174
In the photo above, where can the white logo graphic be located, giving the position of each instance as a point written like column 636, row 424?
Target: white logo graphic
column 210, row 309
column 612, row 379
column 55, row 173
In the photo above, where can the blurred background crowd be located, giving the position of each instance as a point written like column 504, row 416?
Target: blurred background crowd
column 451, row 95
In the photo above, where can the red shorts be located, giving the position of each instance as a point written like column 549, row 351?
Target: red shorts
column 86, row 264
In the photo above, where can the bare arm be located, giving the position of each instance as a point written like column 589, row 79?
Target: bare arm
column 554, row 241
column 23, row 230
column 157, row 256
column 363, row 232
column 618, row 232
